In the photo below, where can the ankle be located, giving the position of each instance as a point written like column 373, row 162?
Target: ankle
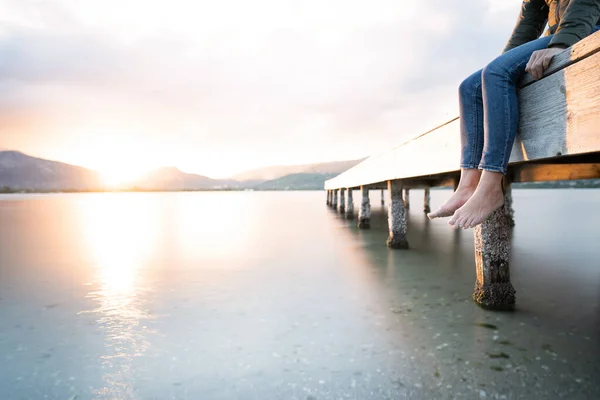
column 469, row 178
column 488, row 189
column 467, row 187
column 491, row 180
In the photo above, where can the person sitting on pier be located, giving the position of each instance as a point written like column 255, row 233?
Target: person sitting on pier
column 489, row 109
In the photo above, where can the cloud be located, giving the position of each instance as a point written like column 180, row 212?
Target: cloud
column 304, row 81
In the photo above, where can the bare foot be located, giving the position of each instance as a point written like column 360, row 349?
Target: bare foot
column 487, row 198
column 457, row 200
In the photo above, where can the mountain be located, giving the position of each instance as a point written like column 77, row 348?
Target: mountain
column 302, row 181
column 171, row 178
column 20, row 171
column 270, row 173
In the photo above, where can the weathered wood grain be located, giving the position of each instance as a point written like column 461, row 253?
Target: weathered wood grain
column 434, row 153
column 554, row 172
column 559, row 114
column 573, row 54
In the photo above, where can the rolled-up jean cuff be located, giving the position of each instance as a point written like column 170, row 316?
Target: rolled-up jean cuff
column 492, row 169
column 468, row 166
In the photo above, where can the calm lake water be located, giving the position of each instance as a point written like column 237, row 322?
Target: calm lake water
column 271, row 295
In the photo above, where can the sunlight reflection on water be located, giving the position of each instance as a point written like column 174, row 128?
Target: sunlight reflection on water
column 121, row 237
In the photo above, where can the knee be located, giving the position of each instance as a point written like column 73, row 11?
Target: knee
column 495, row 70
column 470, row 85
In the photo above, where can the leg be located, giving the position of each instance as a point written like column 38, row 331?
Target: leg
column 509, row 201
column 492, row 251
column 501, row 121
column 407, row 198
column 396, row 217
column 426, row 201
column 471, row 141
column 334, row 204
column 350, row 205
column 364, row 215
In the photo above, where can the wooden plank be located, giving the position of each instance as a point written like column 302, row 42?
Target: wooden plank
column 554, row 172
column 559, row 116
column 435, row 153
column 580, row 50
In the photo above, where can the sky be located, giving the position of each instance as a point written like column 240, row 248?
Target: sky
column 220, row 87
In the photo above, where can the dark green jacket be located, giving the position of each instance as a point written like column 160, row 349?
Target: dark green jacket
column 568, row 20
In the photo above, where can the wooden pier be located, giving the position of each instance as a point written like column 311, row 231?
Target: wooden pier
column 558, row 139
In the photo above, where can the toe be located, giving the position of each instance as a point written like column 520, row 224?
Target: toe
column 468, row 223
column 454, row 218
column 439, row 213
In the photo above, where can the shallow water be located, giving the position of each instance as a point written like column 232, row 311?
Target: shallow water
column 271, row 295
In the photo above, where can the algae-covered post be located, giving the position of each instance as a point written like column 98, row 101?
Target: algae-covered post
column 426, row 201
column 509, row 203
column 407, row 198
column 342, row 200
column 350, row 205
column 334, row 204
column 328, row 197
column 492, row 251
column 396, row 217
column 382, row 197
column 364, row 214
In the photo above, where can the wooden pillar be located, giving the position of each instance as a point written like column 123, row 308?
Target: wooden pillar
column 350, row 205
column 328, row 197
column 396, row 217
column 382, row 197
column 509, row 202
column 426, row 201
column 342, row 208
column 407, row 198
column 334, row 204
column 364, row 214
column 493, row 289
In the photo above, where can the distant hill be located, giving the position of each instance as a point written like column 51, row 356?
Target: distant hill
column 270, row 173
column 171, row 178
column 302, row 181
column 20, row 171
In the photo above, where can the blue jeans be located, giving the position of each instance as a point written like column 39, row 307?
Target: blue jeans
column 489, row 109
